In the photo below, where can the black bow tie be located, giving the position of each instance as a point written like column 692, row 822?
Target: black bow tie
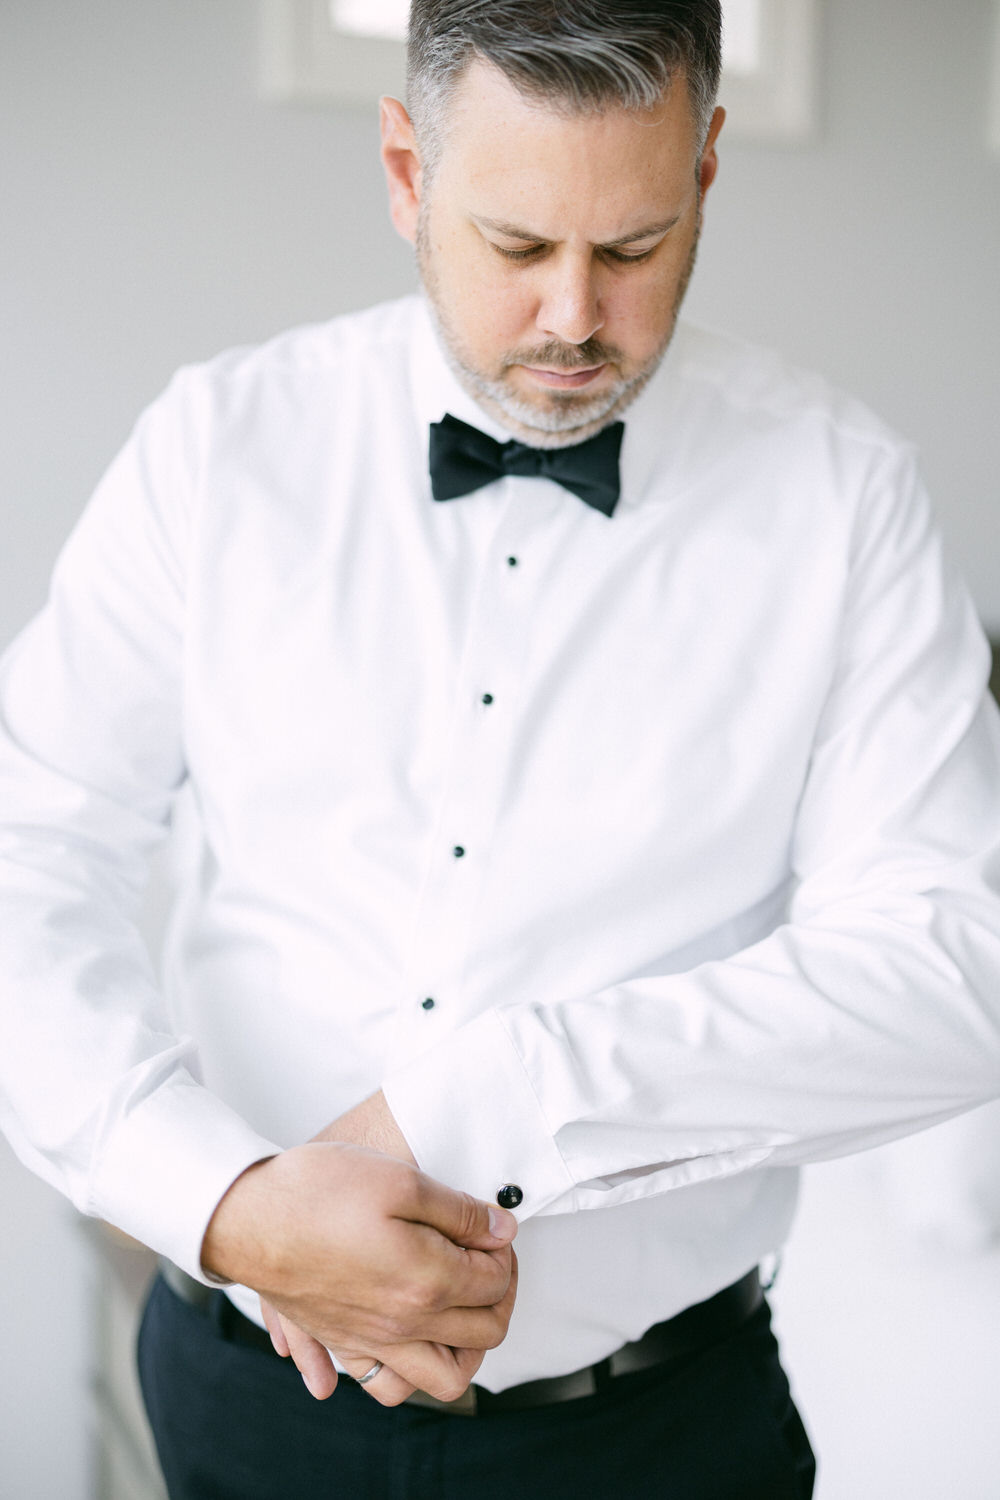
column 463, row 459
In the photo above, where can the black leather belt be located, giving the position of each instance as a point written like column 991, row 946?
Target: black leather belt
column 690, row 1332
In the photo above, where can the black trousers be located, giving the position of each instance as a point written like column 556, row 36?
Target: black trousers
column 236, row 1423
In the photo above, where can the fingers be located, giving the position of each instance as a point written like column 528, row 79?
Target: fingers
column 470, row 1328
column 466, row 1328
column 314, row 1364
column 388, row 1387
column 443, row 1370
column 452, row 1368
column 451, row 1276
column 435, row 1368
column 479, row 1328
column 363, row 1266
column 464, row 1220
column 467, row 1362
column 273, row 1324
column 309, row 1356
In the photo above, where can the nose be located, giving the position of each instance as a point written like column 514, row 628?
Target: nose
column 570, row 306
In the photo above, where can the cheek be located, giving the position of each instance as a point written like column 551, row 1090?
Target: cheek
column 642, row 315
column 495, row 311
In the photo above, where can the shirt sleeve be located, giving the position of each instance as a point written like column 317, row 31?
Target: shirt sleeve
column 97, row 1093
column 872, row 1011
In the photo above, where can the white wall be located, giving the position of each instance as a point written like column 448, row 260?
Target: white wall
column 873, row 254
column 154, row 210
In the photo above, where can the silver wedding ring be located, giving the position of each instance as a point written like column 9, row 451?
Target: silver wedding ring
column 364, row 1379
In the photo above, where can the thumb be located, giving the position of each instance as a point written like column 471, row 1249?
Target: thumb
column 464, row 1220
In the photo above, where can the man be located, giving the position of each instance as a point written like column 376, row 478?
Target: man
column 599, row 844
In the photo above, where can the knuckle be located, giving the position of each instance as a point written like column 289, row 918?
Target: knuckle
column 389, row 1398
column 395, row 1328
column 470, row 1215
column 498, row 1322
column 416, row 1300
column 451, row 1389
column 405, row 1317
column 418, row 1192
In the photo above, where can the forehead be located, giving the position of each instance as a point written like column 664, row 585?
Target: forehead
column 522, row 160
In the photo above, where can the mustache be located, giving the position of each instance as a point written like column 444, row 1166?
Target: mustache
column 556, row 356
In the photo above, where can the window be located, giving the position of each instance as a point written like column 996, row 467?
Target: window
column 769, row 82
column 742, row 38
column 385, row 18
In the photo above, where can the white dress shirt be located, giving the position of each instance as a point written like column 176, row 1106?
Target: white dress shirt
column 686, row 821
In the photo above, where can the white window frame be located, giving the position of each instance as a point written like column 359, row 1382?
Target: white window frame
column 306, row 59
column 779, row 102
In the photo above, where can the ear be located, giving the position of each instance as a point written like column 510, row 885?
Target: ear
column 709, row 159
column 402, row 167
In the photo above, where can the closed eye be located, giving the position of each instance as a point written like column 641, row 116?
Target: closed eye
column 529, row 254
column 619, row 257
column 624, row 258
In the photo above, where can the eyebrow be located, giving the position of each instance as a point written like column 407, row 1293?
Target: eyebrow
column 515, row 232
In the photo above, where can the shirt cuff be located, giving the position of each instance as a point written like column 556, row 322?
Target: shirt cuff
column 473, row 1121
column 166, row 1164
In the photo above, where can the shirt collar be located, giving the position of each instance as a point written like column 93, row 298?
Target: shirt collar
column 648, row 421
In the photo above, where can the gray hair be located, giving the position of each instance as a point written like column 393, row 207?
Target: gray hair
column 583, row 56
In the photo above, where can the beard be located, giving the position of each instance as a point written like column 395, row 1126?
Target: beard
column 552, row 419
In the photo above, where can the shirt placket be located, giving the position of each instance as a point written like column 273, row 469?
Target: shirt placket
column 434, row 998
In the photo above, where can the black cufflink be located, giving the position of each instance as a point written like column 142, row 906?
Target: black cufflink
column 510, row 1195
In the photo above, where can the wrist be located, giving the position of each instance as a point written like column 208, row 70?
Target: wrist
column 233, row 1240
column 370, row 1124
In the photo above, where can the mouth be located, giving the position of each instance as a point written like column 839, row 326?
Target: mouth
column 565, row 380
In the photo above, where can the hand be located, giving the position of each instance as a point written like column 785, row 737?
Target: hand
column 319, row 1373
column 366, row 1255
column 370, row 1124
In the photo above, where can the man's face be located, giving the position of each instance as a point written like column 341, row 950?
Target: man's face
column 555, row 249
